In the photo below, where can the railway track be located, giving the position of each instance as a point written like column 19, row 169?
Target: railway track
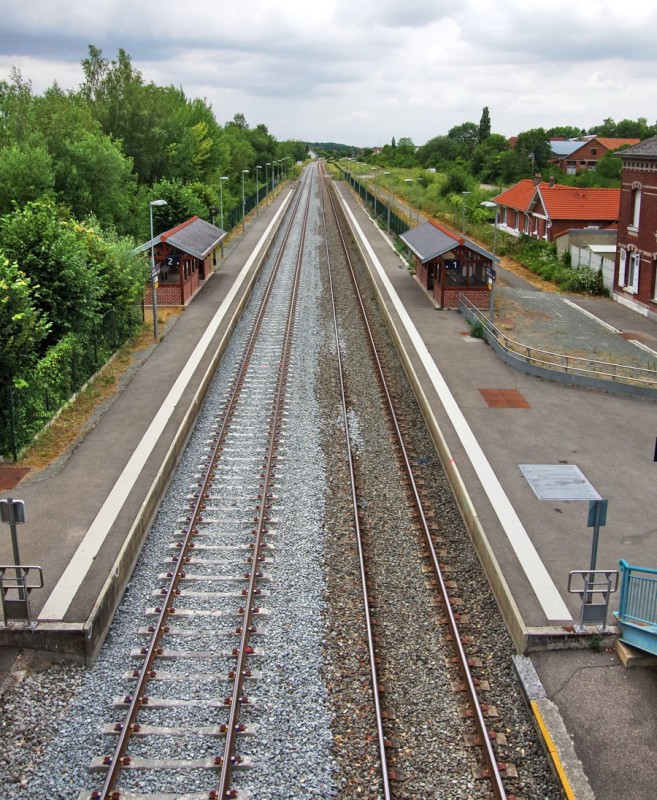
column 301, row 640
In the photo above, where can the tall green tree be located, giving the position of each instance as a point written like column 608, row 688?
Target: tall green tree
column 26, row 173
column 22, row 326
column 484, row 125
column 43, row 242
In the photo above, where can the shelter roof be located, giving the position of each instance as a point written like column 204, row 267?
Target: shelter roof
column 194, row 236
column 431, row 240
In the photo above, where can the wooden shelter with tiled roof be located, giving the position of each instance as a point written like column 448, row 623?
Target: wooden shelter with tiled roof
column 184, row 260
column 544, row 209
column 447, row 264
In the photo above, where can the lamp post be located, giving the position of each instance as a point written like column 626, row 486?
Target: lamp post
column 221, row 207
column 463, row 212
column 389, row 199
column 410, row 199
column 489, row 204
column 257, row 188
column 154, row 281
column 244, row 172
column 267, row 164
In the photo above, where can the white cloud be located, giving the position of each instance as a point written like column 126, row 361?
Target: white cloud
column 359, row 72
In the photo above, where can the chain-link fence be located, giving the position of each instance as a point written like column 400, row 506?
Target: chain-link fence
column 31, row 401
column 381, row 204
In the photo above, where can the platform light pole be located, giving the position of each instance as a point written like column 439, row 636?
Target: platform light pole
column 244, row 172
column 490, row 204
column 221, row 207
column 463, row 212
column 410, row 199
column 389, row 198
column 257, row 188
column 154, row 281
column 267, row 164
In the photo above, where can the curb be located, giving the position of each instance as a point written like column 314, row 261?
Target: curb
column 556, row 740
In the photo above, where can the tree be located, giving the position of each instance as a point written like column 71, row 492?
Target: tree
column 486, row 157
column 484, row 125
column 466, row 135
column 534, row 145
column 26, row 173
column 43, row 242
column 22, row 326
column 437, row 151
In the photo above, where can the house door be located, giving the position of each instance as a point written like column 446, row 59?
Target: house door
column 431, row 276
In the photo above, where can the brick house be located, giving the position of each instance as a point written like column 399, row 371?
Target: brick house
column 587, row 155
column 184, row 260
column 447, row 264
column 545, row 210
column 635, row 271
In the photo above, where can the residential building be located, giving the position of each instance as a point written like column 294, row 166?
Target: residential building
column 588, row 153
column 545, row 210
column 635, row 281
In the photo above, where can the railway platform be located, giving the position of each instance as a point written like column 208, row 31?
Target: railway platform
column 87, row 514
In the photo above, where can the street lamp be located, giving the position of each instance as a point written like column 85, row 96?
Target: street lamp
column 154, row 281
column 463, row 213
column 490, row 204
column 257, row 188
column 389, row 199
column 267, row 164
column 410, row 199
column 221, row 207
column 244, row 172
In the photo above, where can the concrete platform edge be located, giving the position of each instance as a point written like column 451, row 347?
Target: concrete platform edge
column 100, row 619
column 554, row 736
column 501, row 591
column 82, row 642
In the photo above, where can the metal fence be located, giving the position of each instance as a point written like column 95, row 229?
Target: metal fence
column 28, row 404
column 637, row 607
column 585, row 371
column 380, row 205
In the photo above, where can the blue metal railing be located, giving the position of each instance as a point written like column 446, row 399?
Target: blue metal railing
column 638, row 597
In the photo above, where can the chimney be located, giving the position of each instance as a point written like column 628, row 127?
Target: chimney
column 537, row 178
column 552, row 181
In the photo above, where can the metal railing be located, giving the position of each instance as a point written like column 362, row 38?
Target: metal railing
column 638, row 598
column 579, row 369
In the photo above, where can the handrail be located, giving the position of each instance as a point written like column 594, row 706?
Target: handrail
column 561, row 362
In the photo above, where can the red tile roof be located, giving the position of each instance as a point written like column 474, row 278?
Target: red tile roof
column 563, row 202
column 612, row 144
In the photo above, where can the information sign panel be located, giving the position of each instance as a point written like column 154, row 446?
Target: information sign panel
column 558, row 482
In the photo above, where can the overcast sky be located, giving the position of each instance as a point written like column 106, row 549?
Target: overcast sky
column 359, row 71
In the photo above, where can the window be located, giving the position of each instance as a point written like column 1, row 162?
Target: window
column 635, row 208
column 622, row 265
column 654, row 279
column 633, row 272
column 594, row 151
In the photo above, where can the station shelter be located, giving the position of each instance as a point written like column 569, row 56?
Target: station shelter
column 448, row 265
column 185, row 257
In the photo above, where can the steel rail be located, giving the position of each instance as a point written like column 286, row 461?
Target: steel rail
column 492, row 769
column 381, row 738
column 229, row 758
column 116, row 762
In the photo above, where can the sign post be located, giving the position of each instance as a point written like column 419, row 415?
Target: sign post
column 12, row 512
